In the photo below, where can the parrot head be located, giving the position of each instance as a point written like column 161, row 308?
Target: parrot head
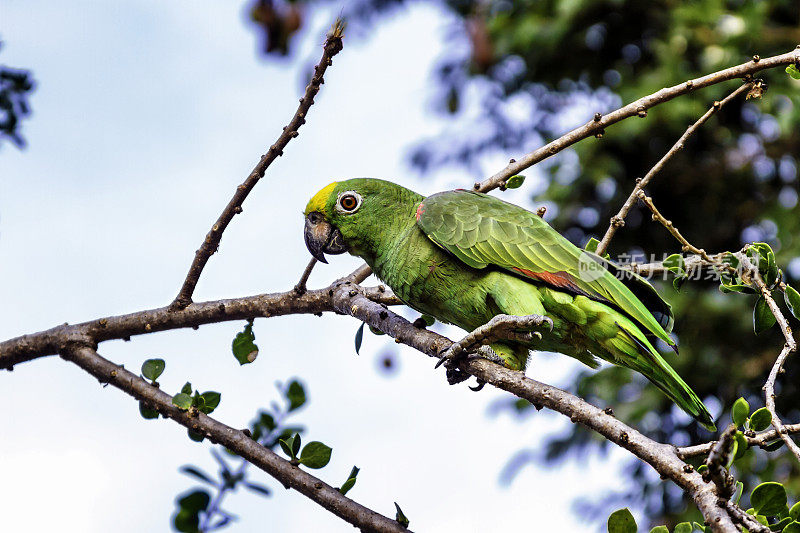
column 346, row 216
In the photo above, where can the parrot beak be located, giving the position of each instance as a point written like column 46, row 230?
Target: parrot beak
column 322, row 237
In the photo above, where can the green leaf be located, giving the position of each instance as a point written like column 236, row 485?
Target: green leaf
column 763, row 319
column 621, row 521
column 182, row 401
column 148, row 413
column 702, row 468
column 737, row 495
column 187, row 388
column 429, row 320
column 699, row 527
column 195, row 435
column 193, row 471
column 793, row 71
column 350, row 482
column 741, row 446
column 152, row 368
column 794, row 512
column 186, row 521
column 400, row 517
column 740, row 412
column 792, row 527
column 660, row 529
column 198, row 402
column 286, row 446
column 315, row 455
column 296, row 395
column 195, row 501
column 792, row 298
column 683, row 527
column 678, row 282
column 244, row 347
column 258, row 489
column 376, row 331
column 591, row 246
column 675, row 264
column 761, row 419
column 266, row 420
column 211, row 400
column 359, row 337
column 768, row 498
column 734, row 453
column 296, row 444
column 515, row 182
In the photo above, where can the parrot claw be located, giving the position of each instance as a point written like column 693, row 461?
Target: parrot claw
column 479, row 386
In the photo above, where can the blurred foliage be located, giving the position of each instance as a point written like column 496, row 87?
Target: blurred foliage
column 520, row 73
column 15, row 88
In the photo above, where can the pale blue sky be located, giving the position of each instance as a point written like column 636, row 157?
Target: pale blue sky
column 146, row 116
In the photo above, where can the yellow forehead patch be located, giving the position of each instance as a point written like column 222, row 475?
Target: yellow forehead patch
column 318, row 202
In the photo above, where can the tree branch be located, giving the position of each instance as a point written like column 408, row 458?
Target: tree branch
column 235, row 440
column 636, row 108
column 759, row 439
column 333, row 44
column 51, row 341
column 618, row 220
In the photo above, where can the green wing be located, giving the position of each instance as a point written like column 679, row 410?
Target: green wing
column 482, row 230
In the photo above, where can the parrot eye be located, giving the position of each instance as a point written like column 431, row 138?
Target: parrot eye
column 349, row 202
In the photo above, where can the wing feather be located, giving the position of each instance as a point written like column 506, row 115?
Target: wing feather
column 482, row 230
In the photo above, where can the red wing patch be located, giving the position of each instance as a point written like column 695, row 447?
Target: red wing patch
column 561, row 279
column 420, row 210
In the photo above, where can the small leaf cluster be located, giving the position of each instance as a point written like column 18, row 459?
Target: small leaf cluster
column 185, row 400
column 204, row 402
column 622, row 521
column 733, row 279
column 314, row 455
column 267, row 428
column 770, row 508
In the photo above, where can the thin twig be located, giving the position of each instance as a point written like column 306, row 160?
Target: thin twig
column 235, row 440
column 618, row 220
column 636, row 108
column 686, row 246
column 333, row 44
column 760, row 439
column 300, row 288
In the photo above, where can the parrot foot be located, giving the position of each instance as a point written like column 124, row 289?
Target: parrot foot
column 456, row 375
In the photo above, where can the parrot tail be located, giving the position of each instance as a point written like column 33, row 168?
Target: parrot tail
column 658, row 371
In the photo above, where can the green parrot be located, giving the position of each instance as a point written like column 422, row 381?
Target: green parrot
column 464, row 257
